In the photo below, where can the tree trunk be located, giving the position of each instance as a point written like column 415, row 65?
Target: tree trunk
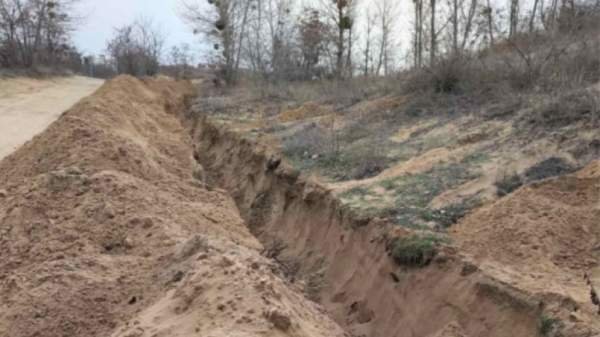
column 433, row 45
column 241, row 37
column 469, row 23
column 455, row 27
column 416, row 37
column 513, row 18
column 368, row 46
column 349, row 53
column 340, row 43
column 420, row 33
column 490, row 22
column 532, row 18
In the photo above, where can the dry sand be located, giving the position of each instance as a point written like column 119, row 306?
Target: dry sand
column 28, row 106
column 105, row 232
column 544, row 239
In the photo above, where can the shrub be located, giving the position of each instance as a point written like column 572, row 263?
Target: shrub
column 548, row 326
column 447, row 76
column 507, row 184
column 371, row 165
column 550, row 167
column 308, row 141
column 568, row 108
column 416, row 250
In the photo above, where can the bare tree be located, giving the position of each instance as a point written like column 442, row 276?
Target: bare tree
column 513, row 18
column 222, row 23
column 432, row 33
column 387, row 12
column 488, row 13
column 351, row 14
column 532, row 16
column 469, row 22
column 180, row 59
column 462, row 15
column 339, row 14
column 268, row 43
column 368, row 53
column 418, row 33
column 137, row 48
column 313, row 40
column 35, row 32
column 282, row 29
column 455, row 5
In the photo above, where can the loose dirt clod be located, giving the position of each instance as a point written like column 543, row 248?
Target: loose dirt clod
column 280, row 320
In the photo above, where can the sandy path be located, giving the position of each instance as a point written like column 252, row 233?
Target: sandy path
column 28, row 106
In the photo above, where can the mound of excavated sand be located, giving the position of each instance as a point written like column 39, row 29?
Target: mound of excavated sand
column 544, row 238
column 104, row 232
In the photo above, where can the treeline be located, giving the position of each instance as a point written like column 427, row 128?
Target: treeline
column 300, row 40
column 36, row 33
column 525, row 42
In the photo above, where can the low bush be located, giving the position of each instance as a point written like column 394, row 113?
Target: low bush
column 507, row 183
column 310, row 140
column 416, row 250
column 370, row 166
column 449, row 76
column 581, row 105
column 531, row 62
column 549, row 326
column 548, row 168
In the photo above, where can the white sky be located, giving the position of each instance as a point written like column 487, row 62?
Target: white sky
column 102, row 16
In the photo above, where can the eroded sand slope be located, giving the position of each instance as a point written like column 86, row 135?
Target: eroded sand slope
column 104, row 232
column 28, row 106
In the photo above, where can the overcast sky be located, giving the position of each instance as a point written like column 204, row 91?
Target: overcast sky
column 102, row 16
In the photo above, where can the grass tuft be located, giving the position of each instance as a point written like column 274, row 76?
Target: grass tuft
column 548, row 326
column 416, row 250
column 450, row 214
column 507, row 184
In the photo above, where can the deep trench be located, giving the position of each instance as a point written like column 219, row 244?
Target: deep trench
column 341, row 258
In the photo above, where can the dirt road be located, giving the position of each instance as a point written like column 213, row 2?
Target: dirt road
column 28, row 106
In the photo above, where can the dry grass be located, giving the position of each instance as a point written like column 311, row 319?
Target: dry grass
column 535, row 62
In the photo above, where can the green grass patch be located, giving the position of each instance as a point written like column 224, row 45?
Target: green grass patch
column 356, row 192
column 354, row 163
column 407, row 198
column 548, row 326
column 451, row 214
column 507, row 183
column 413, row 193
column 417, row 250
column 476, row 158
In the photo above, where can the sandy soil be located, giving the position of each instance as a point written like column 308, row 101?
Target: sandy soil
column 543, row 239
column 369, row 295
column 104, row 231
column 28, row 106
column 512, row 266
